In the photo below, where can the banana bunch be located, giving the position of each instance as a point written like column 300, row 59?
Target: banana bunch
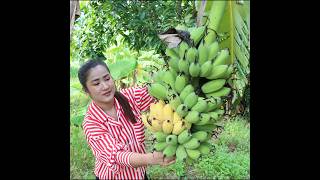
column 185, row 146
column 190, row 92
column 163, row 118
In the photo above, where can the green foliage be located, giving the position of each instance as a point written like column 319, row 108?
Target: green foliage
column 121, row 69
column 235, row 34
column 81, row 157
column 231, row 156
column 236, row 134
column 224, row 165
column 139, row 22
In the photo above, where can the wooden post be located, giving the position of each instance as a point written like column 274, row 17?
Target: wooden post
column 74, row 13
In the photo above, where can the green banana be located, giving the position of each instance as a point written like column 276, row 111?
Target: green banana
column 182, row 110
column 171, row 52
column 204, row 148
column 172, row 139
column 213, row 115
column 174, row 101
column 191, row 100
column 201, row 105
column 183, row 65
column 219, row 112
column 205, row 69
column 213, row 50
column 160, row 136
column 203, row 54
column 200, row 135
column 191, row 54
column 213, row 103
column 229, row 72
column 180, row 83
column 218, row 72
column 173, row 63
column 173, row 72
column 160, row 146
column 220, row 93
column 221, row 58
column 183, row 47
column 197, row 34
column 181, row 153
column 193, row 153
column 168, row 78
column 194, row 69
column 158, row 91
column 210, row 38
column 213, row 85
column 157, row 77
column 204, row 119
column 193, row 143
column 186, row 91
column 208, row 128
column 184, row 136
column 192, row 117
column 170, row 150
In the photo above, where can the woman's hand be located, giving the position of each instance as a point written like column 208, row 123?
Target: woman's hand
column 158, row 158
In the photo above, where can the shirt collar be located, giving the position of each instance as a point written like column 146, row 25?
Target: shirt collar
column 100, row 115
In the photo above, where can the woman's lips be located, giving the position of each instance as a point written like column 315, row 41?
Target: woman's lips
column 107, row 93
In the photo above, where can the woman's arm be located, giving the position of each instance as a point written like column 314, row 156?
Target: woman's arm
column 155, row 158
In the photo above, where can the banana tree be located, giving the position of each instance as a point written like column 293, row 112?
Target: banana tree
column 233, row 32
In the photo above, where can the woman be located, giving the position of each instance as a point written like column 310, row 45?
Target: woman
column 113, row 126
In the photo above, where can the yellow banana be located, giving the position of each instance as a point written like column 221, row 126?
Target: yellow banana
column 167, row 126
column 186, row 124
column 167, row 112
column 147, row 122
column 178, row 127
column 156, row 125
column 176, row 118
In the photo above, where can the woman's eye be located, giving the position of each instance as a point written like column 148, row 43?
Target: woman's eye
column 96, row 84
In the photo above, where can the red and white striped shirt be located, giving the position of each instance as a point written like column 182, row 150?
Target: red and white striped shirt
column 113, row 142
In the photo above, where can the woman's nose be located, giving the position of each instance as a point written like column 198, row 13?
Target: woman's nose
column 104, row 85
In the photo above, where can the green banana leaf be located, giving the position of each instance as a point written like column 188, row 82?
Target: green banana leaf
column 122, row 68
column 236, row 21
column 234, row 33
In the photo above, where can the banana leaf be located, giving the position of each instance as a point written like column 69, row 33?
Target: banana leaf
column 122, row 68
column 234, row 33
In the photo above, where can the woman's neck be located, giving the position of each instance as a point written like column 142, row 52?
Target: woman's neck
column 106, row 107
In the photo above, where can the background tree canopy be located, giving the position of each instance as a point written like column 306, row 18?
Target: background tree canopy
column 138, row 21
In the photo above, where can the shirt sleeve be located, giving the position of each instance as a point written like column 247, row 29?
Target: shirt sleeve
column 106, row 148
column 143, row 98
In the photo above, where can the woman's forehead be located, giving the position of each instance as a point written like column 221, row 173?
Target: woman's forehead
column 97, row 72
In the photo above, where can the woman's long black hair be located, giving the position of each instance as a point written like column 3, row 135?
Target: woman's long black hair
column 123, row 101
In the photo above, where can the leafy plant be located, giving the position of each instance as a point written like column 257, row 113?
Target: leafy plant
column 139, row 22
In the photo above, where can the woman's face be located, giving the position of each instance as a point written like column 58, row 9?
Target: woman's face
column 100, row 85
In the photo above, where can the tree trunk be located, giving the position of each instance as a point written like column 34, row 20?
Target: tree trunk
column 74, row 13
column 179, row 9
column 201, row 12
